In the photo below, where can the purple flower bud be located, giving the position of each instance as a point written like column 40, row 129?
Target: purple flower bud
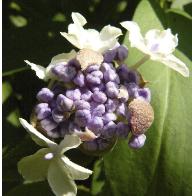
column 92, row 68
column 122, row 110
column 109, row 130
column 122, row 130
column 96, row 123
column 99, row 97
column 64, row 72
column 79, row 79
column 100, row 87
column 90, row 145
column 45, row 95
column 109, row 55
column 74, row 94
column 132, row 89
column 49, row 127
column 144, row 93
column 121, row 53
column 74, row 128
column 57, row 115
column 137, row 141
column 97, row 109
column 64, row 103
column 82, row 117
column 81, row 104
column 94, row 80
column 109, row 117
column 111, row 105
column 107, row 66
column 111, row 75
column 42, row 111
column 112, row 90
column 86, row 94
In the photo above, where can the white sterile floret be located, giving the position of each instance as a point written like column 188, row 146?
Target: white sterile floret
column 159, row 45
column 51, row 163
column 91, row 38
column 44, row 73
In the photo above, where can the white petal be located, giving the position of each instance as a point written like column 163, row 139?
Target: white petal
column 135, row 37
column 162, row 42
column 59, row 179
column 36, row 135
column 108, row 37
column 176, row 64
column 40, row 70
column 78, row 19
column 77, row 172
column 34, row 168
column 69, row 142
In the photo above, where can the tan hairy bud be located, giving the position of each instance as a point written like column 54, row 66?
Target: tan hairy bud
column 141, row 116
column 86, row 57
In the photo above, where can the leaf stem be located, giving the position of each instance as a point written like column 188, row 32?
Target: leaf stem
column 140, row 62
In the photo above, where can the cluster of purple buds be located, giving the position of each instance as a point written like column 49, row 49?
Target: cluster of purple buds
column 96, row 102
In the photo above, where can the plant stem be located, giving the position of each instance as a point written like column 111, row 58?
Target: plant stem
column 140, row 62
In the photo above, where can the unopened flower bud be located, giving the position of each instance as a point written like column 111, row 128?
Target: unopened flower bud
column 64, row 103
column 79, row 79
column 121, row 53
column 45, row 95
column 141, row 116
column 137, row 141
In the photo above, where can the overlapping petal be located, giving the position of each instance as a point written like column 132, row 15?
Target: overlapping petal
column 77, row 172
column 34, row 167
column 39, row 138
column 90, row 38
column 59, row 179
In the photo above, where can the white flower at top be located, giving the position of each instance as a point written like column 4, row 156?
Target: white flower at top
column 159, row 45
column 91, row 38
column 50, row 163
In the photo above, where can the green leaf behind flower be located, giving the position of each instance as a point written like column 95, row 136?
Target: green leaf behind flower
column 164, row 165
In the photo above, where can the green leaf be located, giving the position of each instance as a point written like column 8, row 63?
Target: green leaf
column 163, row 165
column 34, row 168
column 18, row 21
column 6, row 91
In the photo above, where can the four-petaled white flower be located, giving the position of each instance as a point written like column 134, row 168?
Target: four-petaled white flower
column 159, row 45
column 45, row 73
column 91, row 38
column 50, row 163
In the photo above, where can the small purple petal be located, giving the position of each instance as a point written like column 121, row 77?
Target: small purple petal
column 112, row 90
column 122, row 130
column 45, row 95
column 73, row 94
column 82, row 117
column 122, row 110
column 81, row 104
column 111, row 105
column 99, row 97
column 64, row 72
column 98, row 110
column 86, row 94
column 79, row 79
column 42, row 111
column 109, row 55
column 92, row 68
column 109, row 130
column 64, row 103
column 121, row 53
column 137, row 141
column 132, row 89
column 107, row 66
column 111, row 75
column 109, row 117
column 144, row 93
column 96, row 123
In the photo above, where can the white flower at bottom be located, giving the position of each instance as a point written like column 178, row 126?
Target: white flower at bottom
column 45, row 73
column 159, row 45
column 50, row 163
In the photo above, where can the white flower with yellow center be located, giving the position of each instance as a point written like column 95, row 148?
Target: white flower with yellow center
column 157, row 45
column 50, row 163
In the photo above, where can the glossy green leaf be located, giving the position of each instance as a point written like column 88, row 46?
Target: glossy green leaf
column 164, row 165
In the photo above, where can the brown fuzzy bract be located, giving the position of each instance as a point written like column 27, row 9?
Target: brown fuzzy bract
column 141, row 116
column 87, row 57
